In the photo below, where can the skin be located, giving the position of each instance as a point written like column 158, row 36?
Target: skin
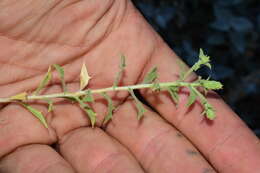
column 36, row 34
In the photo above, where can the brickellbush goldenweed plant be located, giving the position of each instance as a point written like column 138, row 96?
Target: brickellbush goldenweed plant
column 84, row 96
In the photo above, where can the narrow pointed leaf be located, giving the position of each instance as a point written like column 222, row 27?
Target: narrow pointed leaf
column 60, row 70
column 88, row 97
column 174, row 93
column 44, row 82
column 151, row 76
column 84, row 77
column 91, row 114
column 192, row 97
column 208, row 65
column 121, row 70
column 140, row 108
column 111, row 108
column 21, row 96
column 50, row 105
column 37, row 114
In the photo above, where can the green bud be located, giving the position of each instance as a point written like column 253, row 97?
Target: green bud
column 211, row 84
column 210, row 114
column 209, row 111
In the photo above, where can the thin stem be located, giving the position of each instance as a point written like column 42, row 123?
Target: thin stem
column 80, row 93
column 187, row 73
column 202, row 97
column 193, row 68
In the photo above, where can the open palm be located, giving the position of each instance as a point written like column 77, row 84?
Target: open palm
column 36, row 34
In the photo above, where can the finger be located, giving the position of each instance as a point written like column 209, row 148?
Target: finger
column 157, row 145
column 19, row 127
column 91, row 150
column 226, row 141
column 34, row 158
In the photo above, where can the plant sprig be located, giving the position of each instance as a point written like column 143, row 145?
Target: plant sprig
column 84, row 96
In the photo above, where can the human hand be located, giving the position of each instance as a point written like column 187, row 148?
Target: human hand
column 36, row 34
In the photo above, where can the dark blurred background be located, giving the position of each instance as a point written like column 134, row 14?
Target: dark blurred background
column 228, row 31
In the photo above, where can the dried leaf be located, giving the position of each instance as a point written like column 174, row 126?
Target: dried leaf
column 44, row 82
column 37, row 114
column 21, row 96
column 192, row 97
column 84, row 77
column 111, row 108
column 139, row 105
column 151, row 76
column 121, row 70
column 60, row 70
column 88, row 97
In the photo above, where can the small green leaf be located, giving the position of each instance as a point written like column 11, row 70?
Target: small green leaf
column 156, row 86
column 139, row 105
column 173, row 90
column 141, row 110
column 50, row 105
column 121, row 70
column 60, row 70
column 208, row 65
column 91, row 114
column 88, row 97
column 211, row 84
column 44, row 82
column 37, row 114
column 204, row 58
column 21, row 96
column 111, row 108
column 192, row 97
column 151, row 76
column 122, row 63
column 210, row 114
column 209, row 111
column 84, row 77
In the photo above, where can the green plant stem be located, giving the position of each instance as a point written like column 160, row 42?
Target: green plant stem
column 187, row 73
column 192, row 69
column 201, row 96
column 102, row 90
